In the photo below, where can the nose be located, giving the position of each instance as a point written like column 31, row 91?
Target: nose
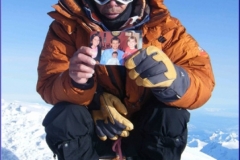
column 112, row 3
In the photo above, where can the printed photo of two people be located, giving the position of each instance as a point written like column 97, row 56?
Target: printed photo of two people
column 113, row 48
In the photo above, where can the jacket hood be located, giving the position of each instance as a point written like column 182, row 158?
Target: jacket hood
column 82, row 11
column 78, row 6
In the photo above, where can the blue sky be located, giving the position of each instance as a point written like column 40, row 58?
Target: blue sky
column 214, row 24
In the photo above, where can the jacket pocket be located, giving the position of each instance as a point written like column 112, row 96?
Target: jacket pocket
column 75, row 149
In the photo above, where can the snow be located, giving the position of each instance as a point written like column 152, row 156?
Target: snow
column 222, row 145
column 229, row 141
column 23, row 136
column 234, row 144
column 195, row 154
column 196, row 143
column 216, row 150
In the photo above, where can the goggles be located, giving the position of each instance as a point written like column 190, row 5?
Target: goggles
column 102, row 2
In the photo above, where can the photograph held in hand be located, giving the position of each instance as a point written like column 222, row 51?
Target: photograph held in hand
column 114, row 47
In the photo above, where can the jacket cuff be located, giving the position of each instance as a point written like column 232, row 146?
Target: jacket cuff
column 177, row 88
column 85, row 86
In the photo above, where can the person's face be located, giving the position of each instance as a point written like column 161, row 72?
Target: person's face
column 111, row 9
column 114, row 55
column 95, row 41
column 132, row 43
column 115, row 44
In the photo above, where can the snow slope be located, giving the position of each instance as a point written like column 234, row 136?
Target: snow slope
column 22, row 133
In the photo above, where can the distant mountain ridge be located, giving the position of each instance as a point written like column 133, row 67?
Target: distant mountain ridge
column 219, row 144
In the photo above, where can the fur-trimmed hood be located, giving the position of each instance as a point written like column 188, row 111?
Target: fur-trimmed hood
column 83, row 12
column 78, row 7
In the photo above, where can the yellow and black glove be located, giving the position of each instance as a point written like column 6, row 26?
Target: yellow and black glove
column 109, row 120
column 152, row 68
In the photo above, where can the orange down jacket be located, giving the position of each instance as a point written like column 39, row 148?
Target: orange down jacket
column 71, row 30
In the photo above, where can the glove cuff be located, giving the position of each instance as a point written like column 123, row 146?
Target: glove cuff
column 177, row 88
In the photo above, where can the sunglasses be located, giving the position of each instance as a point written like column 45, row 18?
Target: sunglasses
column 102, row 2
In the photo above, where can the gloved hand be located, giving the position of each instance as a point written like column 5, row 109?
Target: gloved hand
column 151, row 67
column 109, row 121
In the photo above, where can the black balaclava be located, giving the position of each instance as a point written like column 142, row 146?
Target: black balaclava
column 116, row 23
